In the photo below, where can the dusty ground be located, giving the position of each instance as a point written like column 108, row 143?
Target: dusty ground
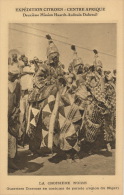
column 47, row 164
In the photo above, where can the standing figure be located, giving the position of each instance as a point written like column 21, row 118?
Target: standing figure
column 44, row 101
column 13, row 115
column 14, row 63
column 26, row 82
column 70, row 134
column 96, row 111
column 110, row 117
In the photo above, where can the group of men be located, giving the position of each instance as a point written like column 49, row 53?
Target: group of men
column 57, row 108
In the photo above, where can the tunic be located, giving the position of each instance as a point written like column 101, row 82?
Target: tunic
column 48, row 83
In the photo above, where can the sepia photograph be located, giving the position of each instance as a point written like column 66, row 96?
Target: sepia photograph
column 62, row 99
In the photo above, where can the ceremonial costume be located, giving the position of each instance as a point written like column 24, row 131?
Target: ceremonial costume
column 44, row 101
column 110, row 117
column 71, row 134
column 94, row 112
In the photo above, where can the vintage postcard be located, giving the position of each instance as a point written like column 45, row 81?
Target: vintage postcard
column 61, row 102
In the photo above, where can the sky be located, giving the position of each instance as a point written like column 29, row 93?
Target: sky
column 100, row 36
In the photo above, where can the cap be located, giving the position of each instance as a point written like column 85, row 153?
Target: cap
column 76, row 60
column 97, row 61
column 52, row 47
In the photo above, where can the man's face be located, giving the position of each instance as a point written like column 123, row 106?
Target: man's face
column 99, row 70
column 79, row 69
column 110, row 90
column 14, row 57
column 86, row 69
column 109, row 76
column 25, row 60
column 93, row 83
column 36, row 61
column 54, row 58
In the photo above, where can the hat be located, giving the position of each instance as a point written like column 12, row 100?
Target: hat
column 77, row 62
column 97, row 61
column 76, row 59
column 52, row 47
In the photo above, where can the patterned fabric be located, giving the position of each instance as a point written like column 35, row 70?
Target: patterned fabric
column 34, row 116
column 91, row 128
column 95, row 83
column 45, row 81
column 46, row 116
column 99, row 120
column 92, row 131
column 70, row 125
column 67, row 123
column 110, row 96
column 109, row 130
column 110, row 118
column 38, row 95
column 39, row 119
column 46, row 86
column 94, row 120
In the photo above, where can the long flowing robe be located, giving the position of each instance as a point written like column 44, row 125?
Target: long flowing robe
column 97, row 113
column 71, row 128
column 54, row 117
column 94, row 121
column 110, row 117
column 43, row 101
